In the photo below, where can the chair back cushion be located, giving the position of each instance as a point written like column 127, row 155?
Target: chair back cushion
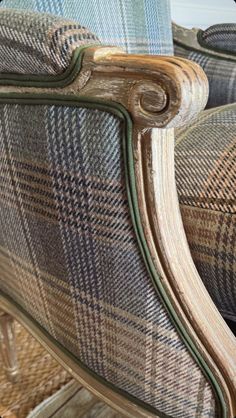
column 139, row 27
column 29, row 45
column 214, row 50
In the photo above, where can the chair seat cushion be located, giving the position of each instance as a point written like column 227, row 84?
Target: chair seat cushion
column 205, row 174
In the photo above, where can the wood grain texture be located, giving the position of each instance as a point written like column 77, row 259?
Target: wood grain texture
column 73, row 401
column 84, row 405
column 158, row 92
column 168, row 92
column 165, row 236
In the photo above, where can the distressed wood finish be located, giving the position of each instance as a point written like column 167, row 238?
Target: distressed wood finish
column 157, row 91
column 165, row 236
column 160, row 93
column 167, row 92
column 82, row 405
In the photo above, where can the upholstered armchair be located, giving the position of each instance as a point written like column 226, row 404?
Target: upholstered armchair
column 211, row 185
column 94, row 259
column 215, row 50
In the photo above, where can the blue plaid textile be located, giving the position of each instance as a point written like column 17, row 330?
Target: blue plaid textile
column 68, row 252
column 214, row 50
column 70, row 258
column 138, row 26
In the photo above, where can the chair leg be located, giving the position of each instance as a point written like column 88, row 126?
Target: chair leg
column 8, row 347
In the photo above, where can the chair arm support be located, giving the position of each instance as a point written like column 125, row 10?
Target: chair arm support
column 158, row 91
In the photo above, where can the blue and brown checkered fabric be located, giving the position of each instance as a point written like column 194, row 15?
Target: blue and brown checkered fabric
column 142, row 26
column 39, row 46
column 205, row 156
column 220, row 69
column 69, row 255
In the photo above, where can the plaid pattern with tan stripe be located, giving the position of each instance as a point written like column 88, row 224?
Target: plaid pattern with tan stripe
column 206, row 181
column 221, row 74
column 69, row 255
column 43, row 46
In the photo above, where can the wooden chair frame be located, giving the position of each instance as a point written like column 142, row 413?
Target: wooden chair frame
column 159, row 94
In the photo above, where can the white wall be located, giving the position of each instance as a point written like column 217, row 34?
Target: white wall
column 203, row 13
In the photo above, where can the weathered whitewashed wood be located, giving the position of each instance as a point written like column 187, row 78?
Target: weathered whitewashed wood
column 165, row 236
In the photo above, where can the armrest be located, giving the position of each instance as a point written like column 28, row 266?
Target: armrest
column 215, row 50
column 158, row 91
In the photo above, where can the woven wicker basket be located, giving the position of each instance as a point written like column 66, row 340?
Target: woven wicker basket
column 40, row 377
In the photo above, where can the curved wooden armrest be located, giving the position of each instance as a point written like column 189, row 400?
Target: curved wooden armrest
column 158, row 91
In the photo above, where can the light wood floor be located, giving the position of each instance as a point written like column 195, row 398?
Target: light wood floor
column 85, row 405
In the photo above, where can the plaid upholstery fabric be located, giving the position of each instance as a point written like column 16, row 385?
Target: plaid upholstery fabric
column 221, row 75
column 205, row 173
column 142, row 26
column 42, row 45
column 221, row 37
column 69, row 256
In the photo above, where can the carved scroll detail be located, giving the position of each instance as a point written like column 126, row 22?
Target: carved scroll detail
column 158, row 91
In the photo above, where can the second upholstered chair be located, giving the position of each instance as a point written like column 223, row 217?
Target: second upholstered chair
column 215, row 50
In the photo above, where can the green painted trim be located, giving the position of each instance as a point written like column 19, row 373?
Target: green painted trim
column 59, row 80
column 200, row 51
column 121, row 112
column 204, row 44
